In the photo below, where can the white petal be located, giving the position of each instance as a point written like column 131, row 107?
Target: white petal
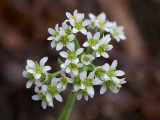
column 64, row 54
column 103, row 90
column 36, row 97
column 37, row 76
column 59, row 85
column 49, row 97
column 119, row 73
column 55, row 81
column 97, row 81
column 30, row 63
column 75, row 61
column 106, row 78
column 75, row 30
column 89, row 35
column 82, row 87
column 96, row 36
column 59, row 46
column 62, row 33
column 44, row 88
column 109, row 47
column 44, row 104
column 86, row 97
column 58, row 97
column 30, row 71
column 36, row 89
column 70, row 80
column 51, row 31
column 85, row 44
column 91, row 75
column 80, row 65
column 116, row 80
column 85, row 23
column 71, row 37
column 105, row 66
column 29, row 84
column 90, row 91
column 75, row 12
column 114, row 89
column 72, row 22
column 91, row 16
column 69, row 16
column 38, row 83
column 102, row 16
column 79, row 17
column 25, row 73
column 53, row 44
column 97, row 54
column 83, row 31
column 70, row 46
column 79, row 51
column 68, row 70
column 56, row 27
column 75, row 72
column 114, row 64
column 83, row 75
column 79, row 96
column 43, row 61
column 50, row 38
column 50, row 104
column 105, row 55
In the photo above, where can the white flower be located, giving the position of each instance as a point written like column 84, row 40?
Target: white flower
column 70, row 16
column 37, row 73
column 78, row 23
column 84, row 85
column 92, row 41
column 63, row 81
column 103, row 46
column 71, row 66
column 117, row 32
column 110, row 78
column 71, row 54
column 86, row 59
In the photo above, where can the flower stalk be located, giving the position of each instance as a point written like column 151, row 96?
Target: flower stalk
column 68, row 107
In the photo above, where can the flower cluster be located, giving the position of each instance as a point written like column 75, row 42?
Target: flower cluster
column 78, row 68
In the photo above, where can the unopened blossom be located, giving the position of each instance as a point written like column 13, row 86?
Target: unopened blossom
column 110, row 79
column 117, row 32
column 71, row 53
column 92, row 40
column 86, row 59
column 37, row 73
column 83, row 84
column 79, row 24
column 71, row 66
column 103, row 46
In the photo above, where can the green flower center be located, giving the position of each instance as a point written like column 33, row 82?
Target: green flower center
column 88, row 81
column 92, row 42
column 71, row 55
column 64, row 40
column 38, row 68
column 55, row 34
column 52, row 90
column 78, row 25
column 111, row 72
column 77, row 80
column 64, row 80
column 101, row 24
column 115, row 32
column 99, row 72
column 108, row 83
column 68, row 31
column 101, row 49
column 73, row 66
column 83, row 92
column 86, row 59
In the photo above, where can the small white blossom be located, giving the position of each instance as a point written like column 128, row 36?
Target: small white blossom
column 79, row 24
column 110, row 78
column 71, row 54
column 103, row 46
column 86, row 59
column 37, row 73
column 71, row 66
column 92, row 41
column 117, row 32
column 84, row 85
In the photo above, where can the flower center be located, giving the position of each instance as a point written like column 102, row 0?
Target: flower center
column 63, row 80
column 64, row 40
column 87, row 81
column 73, row 66
column 78, row 25
column 86, row 59
column 77, row 80
column 92, row 42
column 38, row 68
column 71, row 55
column 101, row 49
column 111, row 72
column 99, row 72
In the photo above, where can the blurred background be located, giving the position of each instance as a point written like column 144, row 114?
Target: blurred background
column 23, row 34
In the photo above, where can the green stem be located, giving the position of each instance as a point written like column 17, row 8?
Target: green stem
column 76, row 44
column 67, row 109
column 55, row 74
